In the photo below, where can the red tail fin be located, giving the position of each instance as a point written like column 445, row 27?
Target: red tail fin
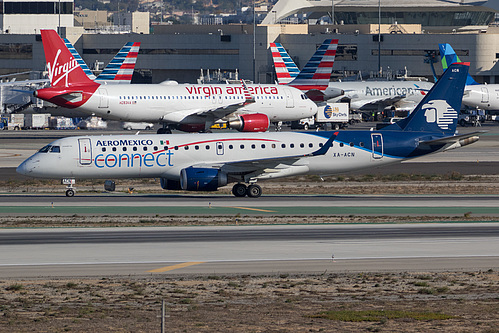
column 63, row 68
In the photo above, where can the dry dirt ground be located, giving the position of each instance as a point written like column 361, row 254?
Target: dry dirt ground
column 327, row 302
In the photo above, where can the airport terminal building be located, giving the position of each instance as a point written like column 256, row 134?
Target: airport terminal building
column 398, row 37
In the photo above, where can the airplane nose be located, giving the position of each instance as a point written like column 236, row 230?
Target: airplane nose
column 26, row 167
column 22, row 169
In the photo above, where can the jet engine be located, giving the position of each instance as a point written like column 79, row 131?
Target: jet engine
column 256, row 122
column 169, row 184
column 202, row 179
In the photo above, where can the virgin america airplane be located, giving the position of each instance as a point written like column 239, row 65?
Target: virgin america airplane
column 188, row 107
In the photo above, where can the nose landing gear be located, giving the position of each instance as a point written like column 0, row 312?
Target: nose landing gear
column 70, row 190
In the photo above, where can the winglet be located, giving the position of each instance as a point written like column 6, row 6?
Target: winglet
column 247, row 95
column 329, row 143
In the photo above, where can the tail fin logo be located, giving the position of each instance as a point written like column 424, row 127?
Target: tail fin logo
column 440, row 112
column 59, row 72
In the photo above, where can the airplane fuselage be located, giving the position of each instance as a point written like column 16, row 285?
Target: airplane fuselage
column 158, row 155
column 482, row 96
column 366, row 94
column 188, row 103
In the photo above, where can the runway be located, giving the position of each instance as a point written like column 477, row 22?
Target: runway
column 213, row 205
column 31, row 253
column 247, row 249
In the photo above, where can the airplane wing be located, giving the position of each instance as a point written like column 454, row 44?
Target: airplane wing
column 217, row 112
column 384, row 101
column 266, row 168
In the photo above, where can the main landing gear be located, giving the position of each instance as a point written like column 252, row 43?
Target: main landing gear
column 241, row 190
column 164, row 130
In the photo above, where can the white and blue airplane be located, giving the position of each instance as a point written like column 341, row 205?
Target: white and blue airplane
column 205, row 162
column 476, row 95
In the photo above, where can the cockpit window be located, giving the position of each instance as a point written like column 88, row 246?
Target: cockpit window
column 55, row 149
column 50, row 148
column 45, row 149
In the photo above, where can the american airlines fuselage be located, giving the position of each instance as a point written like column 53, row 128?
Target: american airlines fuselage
column 482, row 96
column 365, row 95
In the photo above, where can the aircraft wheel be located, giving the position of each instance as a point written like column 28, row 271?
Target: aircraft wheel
column 70, row 193
column 239, row 190
column 254, row 191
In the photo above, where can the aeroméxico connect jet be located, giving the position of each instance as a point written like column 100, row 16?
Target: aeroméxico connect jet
column 188, row 107
column 362, row 95
column 205, row 162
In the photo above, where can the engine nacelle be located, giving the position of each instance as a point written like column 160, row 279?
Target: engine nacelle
column 169, row 184
column 256, row 122
column 202, row 179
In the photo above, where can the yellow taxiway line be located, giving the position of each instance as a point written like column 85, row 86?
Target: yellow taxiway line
column 255, row 209
column 171, row 268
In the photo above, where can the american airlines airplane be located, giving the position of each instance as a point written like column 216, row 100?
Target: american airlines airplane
column 481, row 96
column 205, row 162
column 118, row 71
column 362, row 95
column 188, row 107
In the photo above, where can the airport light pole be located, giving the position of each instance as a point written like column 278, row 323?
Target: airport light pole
column 332, row 12
column 379, row 37
column 254, row 42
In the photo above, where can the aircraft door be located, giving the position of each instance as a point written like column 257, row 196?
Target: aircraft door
column 377, row 144
column 290, row 103
column 220, row 148
column 104, row 99
column 85, row 151
column 485, row 95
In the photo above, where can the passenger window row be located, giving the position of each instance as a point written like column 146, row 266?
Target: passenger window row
column 197, row 97
column 230, row 146
column 207, row 147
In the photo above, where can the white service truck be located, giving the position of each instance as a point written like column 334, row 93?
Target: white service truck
column 13, row 121
column 36, row 121
column 336, row 114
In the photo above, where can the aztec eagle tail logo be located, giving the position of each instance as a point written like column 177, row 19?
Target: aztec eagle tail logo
column 440, row 112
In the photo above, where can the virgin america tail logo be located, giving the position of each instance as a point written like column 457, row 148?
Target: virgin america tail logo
column 58, row 72
column 440, row 112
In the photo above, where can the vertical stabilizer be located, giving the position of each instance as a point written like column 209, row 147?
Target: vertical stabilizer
column 63, row 68
column 448, row 57
column 317, row 72
column 120, row 69
column 285, row 68
column 438, row 111
column 79, row 59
